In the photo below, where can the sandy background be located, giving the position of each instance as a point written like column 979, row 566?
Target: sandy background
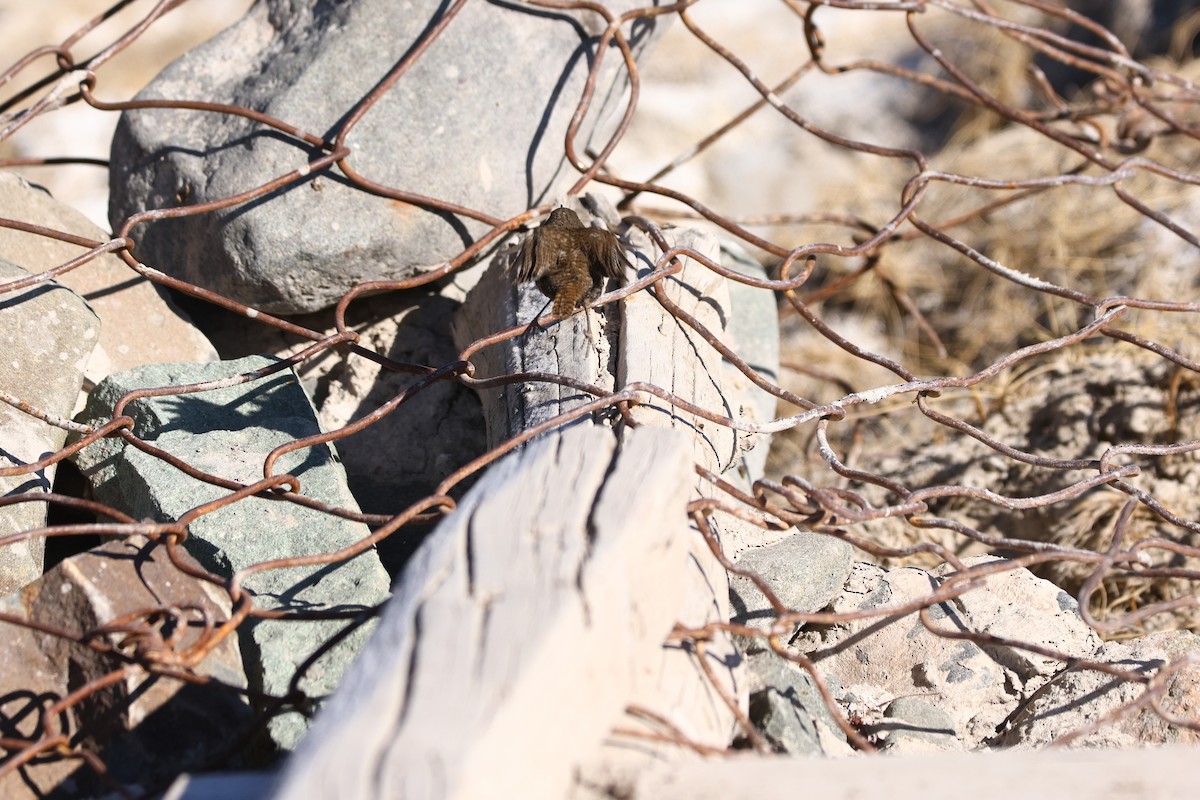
column 687, row 91
column 78, row 130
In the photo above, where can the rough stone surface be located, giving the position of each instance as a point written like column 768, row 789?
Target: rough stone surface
column 138, row 322
column 228, row 432
column 786, row 706
column 911, row 690
column 30, row 679
column 874, row 661
column 1079, row 697
column 1018, row 606
column 913, row 725
column 479, row 119
column 805, row 571
column 401, row 457
column 47, row 333
column 145, row 729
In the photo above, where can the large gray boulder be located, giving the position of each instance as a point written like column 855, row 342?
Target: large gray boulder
column 479, row 120
column 228, row 432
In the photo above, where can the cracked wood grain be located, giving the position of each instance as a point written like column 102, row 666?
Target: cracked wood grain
column 508, row 651
column 540, row 610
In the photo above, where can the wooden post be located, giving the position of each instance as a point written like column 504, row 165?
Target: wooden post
column 540, row 610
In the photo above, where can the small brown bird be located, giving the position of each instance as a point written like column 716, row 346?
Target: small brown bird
column 569, row 261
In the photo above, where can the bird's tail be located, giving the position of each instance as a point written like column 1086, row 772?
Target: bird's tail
column 568, row 296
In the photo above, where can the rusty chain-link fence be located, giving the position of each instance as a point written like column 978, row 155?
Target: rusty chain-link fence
column 988, row 321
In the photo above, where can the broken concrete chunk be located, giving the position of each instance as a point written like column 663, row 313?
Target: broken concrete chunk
column 912, row 690
column 1059, row 625
column 47, row 334
column 228, row 432
column 1076, row 697
column 889, row 657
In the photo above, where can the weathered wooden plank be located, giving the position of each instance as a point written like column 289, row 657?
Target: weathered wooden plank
column 639, row 341
column 658, row 349
column 636, row 341
column 578, row 347
column 1165, row 773
column 540, row 610
column 511, row 646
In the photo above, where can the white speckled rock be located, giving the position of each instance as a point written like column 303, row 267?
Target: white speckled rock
column 139, row 323
column 47, row 334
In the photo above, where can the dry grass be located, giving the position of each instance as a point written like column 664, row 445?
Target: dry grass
column 1073, row 404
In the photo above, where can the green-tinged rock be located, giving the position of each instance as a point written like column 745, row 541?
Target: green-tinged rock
column 228, row 432
column 805, row 571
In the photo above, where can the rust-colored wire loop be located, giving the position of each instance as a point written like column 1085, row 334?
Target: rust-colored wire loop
column 903, row 424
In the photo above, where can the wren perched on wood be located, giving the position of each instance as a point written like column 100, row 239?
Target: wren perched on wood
column 569, row 261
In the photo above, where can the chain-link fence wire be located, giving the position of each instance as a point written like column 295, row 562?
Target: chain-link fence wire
column 987, row 339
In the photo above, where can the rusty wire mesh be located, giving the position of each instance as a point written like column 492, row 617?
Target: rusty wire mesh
column 981, row 283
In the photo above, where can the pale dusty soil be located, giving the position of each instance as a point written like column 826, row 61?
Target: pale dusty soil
column 79, row 130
